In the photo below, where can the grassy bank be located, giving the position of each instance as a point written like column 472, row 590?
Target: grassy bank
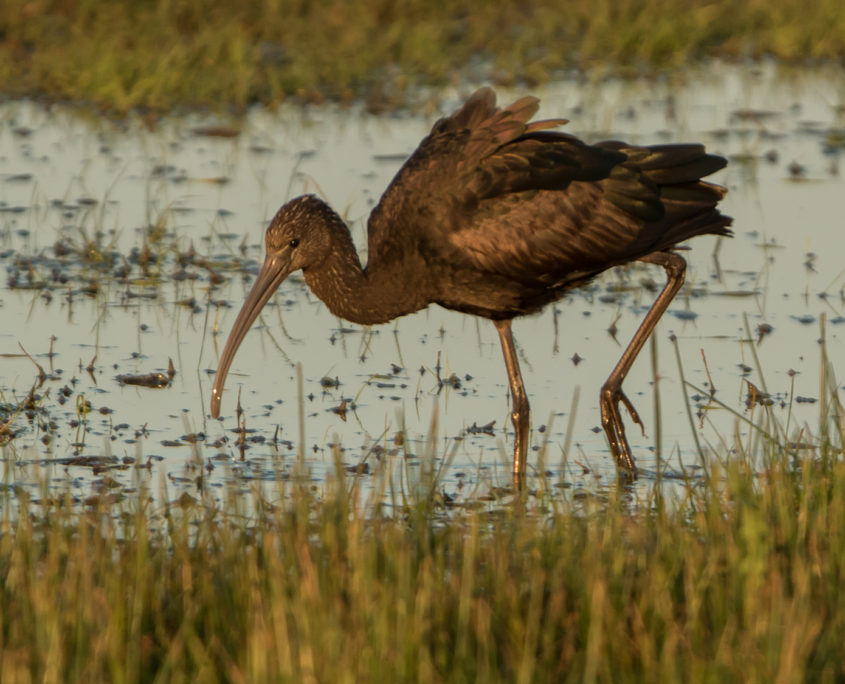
column 738, row 578
column 164, row 53
column 732, row 574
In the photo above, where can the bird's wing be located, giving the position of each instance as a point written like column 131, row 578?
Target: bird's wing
column 549, row 208
column 441, row 174
column 490, row 189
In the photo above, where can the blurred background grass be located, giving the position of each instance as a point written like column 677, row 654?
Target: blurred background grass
column 159, row 54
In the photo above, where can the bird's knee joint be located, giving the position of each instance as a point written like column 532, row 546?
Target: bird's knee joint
column 519, row 419
column 676, row 266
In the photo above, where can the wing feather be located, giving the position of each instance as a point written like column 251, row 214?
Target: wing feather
column 489, row 189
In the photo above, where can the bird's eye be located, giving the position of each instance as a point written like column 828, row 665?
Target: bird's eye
column 294, row 242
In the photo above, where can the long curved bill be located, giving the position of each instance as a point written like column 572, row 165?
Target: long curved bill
column 272, row 273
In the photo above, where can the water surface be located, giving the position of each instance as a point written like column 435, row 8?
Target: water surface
column 125, row 246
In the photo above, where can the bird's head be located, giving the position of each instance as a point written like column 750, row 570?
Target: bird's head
column 298, row 238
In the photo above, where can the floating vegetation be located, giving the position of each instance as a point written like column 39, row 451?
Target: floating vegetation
column 154, row 380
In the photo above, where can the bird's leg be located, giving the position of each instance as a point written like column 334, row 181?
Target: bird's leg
column 521, row 411
column 611, row 391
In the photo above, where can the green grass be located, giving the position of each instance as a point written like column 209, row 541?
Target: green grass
column 734, row 573
column 734, row 576
column 163, row 53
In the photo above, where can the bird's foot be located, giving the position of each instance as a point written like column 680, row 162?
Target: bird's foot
column 611, row 420
column 631, row 411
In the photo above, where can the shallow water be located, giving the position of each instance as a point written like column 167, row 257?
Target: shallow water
column 71, row 179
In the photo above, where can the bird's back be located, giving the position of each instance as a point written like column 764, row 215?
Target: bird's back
column 507, row 214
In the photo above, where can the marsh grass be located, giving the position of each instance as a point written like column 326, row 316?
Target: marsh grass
column 163, row 53
column 731, row 576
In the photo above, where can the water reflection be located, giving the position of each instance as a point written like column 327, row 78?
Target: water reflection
column 125, row 247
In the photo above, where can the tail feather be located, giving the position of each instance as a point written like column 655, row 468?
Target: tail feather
column 708, row 222
column 676, row 163
column 690, row 210
column 669, row 169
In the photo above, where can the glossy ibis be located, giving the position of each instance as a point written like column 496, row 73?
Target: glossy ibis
column 497, row 215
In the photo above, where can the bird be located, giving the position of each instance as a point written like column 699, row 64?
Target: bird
column 496, row 215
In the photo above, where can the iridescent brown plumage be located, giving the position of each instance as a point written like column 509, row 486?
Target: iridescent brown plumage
column 496, row 215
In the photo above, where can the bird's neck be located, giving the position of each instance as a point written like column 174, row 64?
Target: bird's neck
column 376, row 294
